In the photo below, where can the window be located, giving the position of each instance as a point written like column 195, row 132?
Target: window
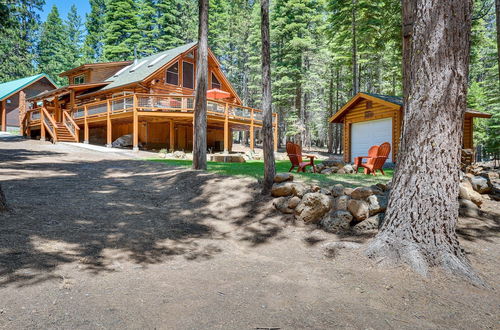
column 215, row 82
column 79, row 79
column 188, row 75
column 173, row 74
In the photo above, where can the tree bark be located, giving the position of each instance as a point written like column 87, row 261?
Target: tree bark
column 267, row 120
column 330, row 114
column 421, row 218
column 3, row 201
column 200, row 106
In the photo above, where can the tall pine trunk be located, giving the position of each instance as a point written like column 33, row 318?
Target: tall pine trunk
column 330, row 114
column 267, row 120
column 200, row 106
column 421, row 218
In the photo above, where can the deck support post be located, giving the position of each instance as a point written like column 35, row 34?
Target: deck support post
column 109, row 132
column 3, row 110
column 276, row 134
column 252, row 134
column 171, row 132
column 226, row 129
column 42, row 124
column 135, row 144
column 85, row 126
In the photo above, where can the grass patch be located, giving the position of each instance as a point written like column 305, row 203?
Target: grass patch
column 255, row 169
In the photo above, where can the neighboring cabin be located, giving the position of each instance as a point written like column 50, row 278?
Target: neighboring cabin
column 371, row 119
column 151, row 98
column 13, row 96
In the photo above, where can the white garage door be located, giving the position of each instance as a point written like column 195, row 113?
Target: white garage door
column 370, row 133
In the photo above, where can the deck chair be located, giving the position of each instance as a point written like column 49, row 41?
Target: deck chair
column 294, row 153
column 377, row 156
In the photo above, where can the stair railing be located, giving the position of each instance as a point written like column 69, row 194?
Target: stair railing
column 71, row 126
column 49, row 123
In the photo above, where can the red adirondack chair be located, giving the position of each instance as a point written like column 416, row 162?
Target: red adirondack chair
column 295, row 155
column 377, row 155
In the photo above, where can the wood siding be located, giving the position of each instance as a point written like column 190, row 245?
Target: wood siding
column 468, row 140
column 367, row 110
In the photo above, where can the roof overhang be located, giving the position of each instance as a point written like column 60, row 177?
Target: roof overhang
column 28, row 84
column 470, row 113
column 339, row 115
column 94, row 65
column 65, row 90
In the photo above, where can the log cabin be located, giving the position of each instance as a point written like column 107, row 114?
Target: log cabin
column 372, row 119
column 151, row 98
column 13, row 96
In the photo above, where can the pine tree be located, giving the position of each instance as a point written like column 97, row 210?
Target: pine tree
column 74, row 28
column 53, row 46
column 147, row 27
column 94, row 24
column 121, row 30
column 18, row 29
column 169, row 24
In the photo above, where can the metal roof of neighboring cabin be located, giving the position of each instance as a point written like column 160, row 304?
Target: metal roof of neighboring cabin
column 144, row 67
column 14, row 86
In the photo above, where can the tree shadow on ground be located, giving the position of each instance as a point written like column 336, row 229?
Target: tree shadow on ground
column 98, row 213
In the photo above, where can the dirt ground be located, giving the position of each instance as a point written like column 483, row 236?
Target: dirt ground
column 103, row 240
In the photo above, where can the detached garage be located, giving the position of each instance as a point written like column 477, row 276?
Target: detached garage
column 372, row 119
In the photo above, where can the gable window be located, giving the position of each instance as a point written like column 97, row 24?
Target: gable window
column 215, row 82
column 188, row 75
column 173, row 74
column 79, row 79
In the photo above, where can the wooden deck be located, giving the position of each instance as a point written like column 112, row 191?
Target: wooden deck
column 149, row 107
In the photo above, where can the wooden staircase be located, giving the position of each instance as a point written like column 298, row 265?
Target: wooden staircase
column 63, row 134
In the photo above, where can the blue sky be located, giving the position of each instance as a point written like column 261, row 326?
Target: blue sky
column 64, row 6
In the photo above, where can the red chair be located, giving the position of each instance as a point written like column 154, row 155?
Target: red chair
column 377, row 155
column 295, row 155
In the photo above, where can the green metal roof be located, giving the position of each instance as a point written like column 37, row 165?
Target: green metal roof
column 144, row 67
column 11, row 87
column 389, row 98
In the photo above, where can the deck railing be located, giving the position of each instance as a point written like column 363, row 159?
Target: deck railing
column 167, row 103
column 71, row 125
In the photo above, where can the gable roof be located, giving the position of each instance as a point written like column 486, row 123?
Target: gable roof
column 14, row 86
column 144, row 67
column 94, row 65
column 392, row 101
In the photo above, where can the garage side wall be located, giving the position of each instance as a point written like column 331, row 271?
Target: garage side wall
column 367, row 110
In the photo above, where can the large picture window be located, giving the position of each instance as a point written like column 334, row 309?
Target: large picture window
column 215, row 82
column 188, row 75
column 173, row 74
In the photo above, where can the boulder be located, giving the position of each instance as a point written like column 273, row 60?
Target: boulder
column 337, row 190
column 293, row 202
column 313, row 207
column 349, row 169
column 298, row 190
column 283, row 177
column 341, row 171
column 179, row 154
column 468, row 208
column 325, row 192
column 320, row 168
column 490, row 175
column 281, row 204
column 341, row 202
column 372, row 223
column 382, row 186
column 333, row 162
column 361, row 192
column 467, row 192
column 377, row 204
column 348, row 191
column 337, row 221
column 328, row 170
column 315, row 189
column 282, row 189
column 359, row 209
column 480, row 184
column 123, row 141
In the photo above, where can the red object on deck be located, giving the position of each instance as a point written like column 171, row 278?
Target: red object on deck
column 217, row 94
